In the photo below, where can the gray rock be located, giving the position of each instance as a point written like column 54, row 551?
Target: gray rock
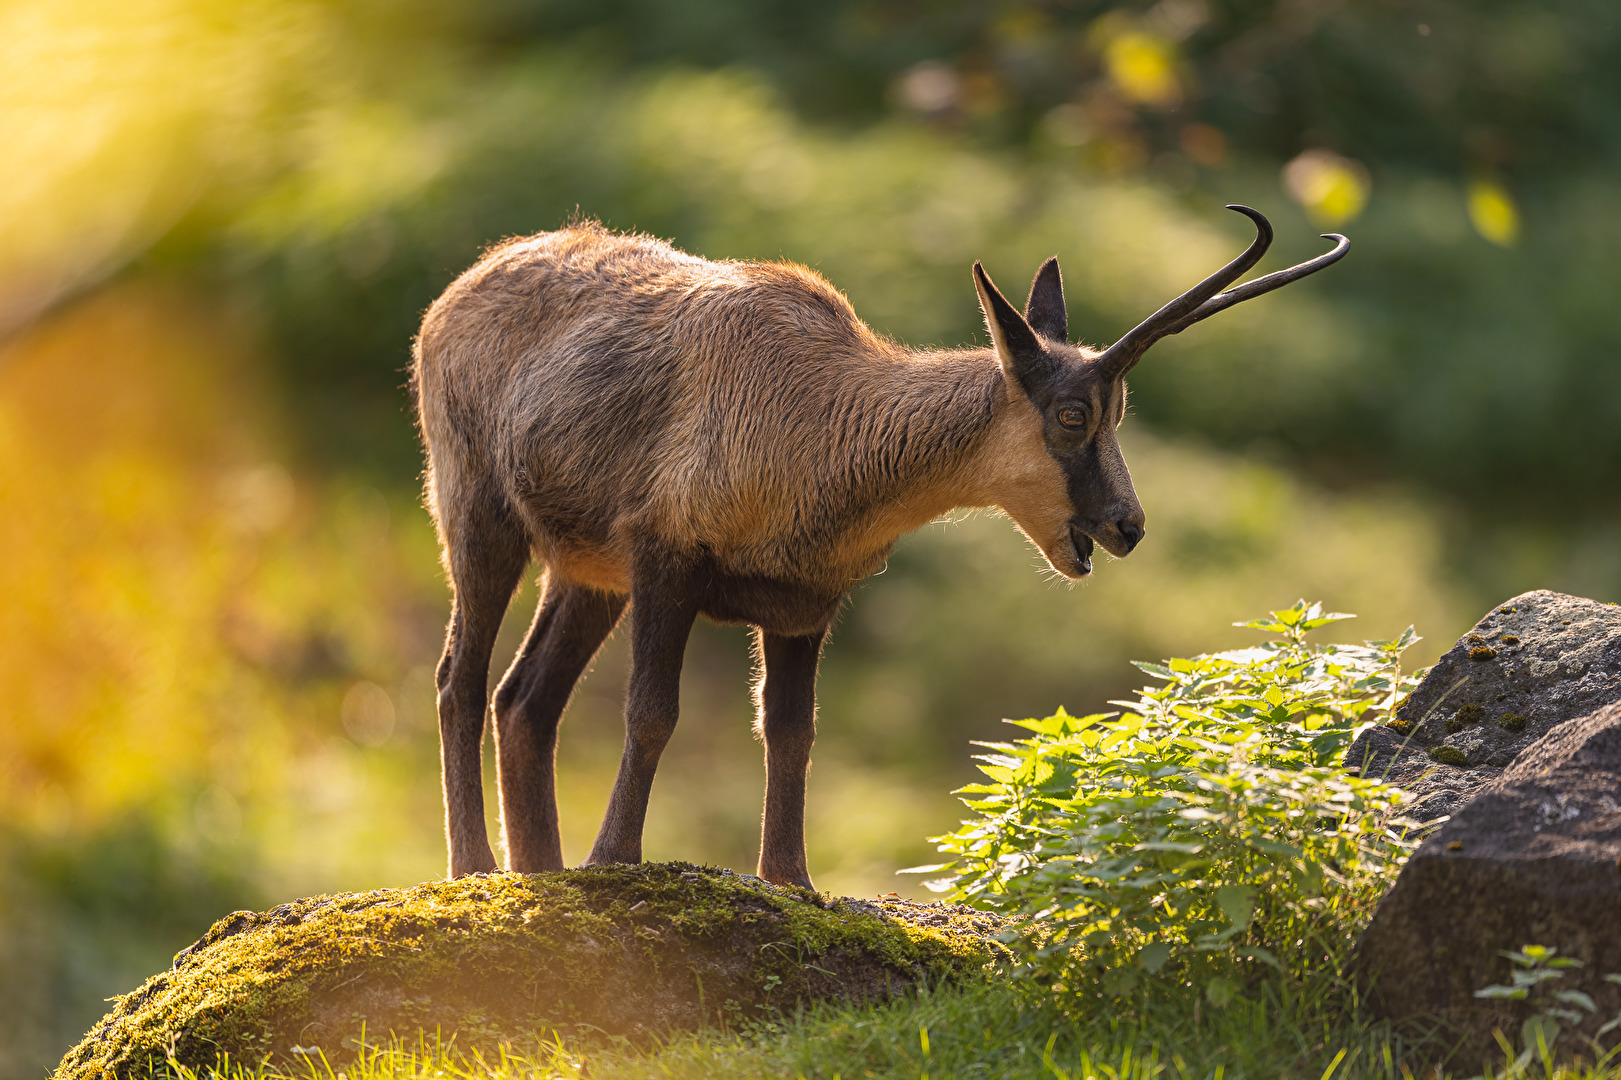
column 1531, row 664
column 1532, row 859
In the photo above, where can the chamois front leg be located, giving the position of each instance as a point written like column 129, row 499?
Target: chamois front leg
column 661, row 619
column 786, row 698
column 570, row 625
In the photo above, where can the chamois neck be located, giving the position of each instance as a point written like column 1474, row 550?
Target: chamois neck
column 928, row 418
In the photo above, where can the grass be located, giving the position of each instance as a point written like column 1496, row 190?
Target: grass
column 1001, row 1028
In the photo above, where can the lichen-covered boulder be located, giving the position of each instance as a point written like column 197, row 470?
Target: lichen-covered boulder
column 629, row 950
column 1529, row 665
column 1531, row 860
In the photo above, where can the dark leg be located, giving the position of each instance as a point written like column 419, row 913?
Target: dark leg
column 570, row 625
column 486, row 559
column 786, row 698
column 661, row 619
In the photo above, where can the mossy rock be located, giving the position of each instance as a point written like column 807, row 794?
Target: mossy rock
column 633, row 951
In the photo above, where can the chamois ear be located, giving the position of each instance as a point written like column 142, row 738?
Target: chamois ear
column 1016, row 345
column 1044, row 311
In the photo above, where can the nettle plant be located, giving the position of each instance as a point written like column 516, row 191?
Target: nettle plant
column 1202, row 835
column 1535, row 974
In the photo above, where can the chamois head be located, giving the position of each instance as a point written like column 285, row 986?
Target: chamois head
column 1078, row 394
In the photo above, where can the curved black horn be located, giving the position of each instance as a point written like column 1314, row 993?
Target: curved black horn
column 1120, row 357
column 1275, row 280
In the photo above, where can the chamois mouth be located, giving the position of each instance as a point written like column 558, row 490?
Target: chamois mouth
column 1082, row 544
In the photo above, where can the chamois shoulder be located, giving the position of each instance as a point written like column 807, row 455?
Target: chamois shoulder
column 785, row 306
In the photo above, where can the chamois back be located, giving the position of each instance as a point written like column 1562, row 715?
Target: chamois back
column 619, row 390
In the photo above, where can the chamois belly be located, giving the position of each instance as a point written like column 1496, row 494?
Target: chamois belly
column 779, row 607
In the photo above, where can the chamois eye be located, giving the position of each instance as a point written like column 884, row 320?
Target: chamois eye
column 1072, row 416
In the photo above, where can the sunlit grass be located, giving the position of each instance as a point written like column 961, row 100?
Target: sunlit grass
column 994, row 1030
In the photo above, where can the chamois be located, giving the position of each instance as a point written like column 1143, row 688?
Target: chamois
column 726, row 439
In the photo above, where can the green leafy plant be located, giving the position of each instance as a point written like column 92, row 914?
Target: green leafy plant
column 1204, row 834
column 1534, row 978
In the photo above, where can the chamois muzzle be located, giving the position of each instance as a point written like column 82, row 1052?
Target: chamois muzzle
column 1207, row 297
column 1082, row 545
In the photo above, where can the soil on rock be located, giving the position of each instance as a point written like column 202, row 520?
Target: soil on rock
column 1535, row 662
column 1532, row 859
column 636, row 951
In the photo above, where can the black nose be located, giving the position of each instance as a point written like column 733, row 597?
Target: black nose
column 1130, row 531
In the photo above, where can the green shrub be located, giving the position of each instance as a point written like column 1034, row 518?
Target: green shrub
column 1202, row 835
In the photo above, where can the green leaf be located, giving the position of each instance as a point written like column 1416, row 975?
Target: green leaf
column 1152, row 957
column 1237, row 902
column 1575, row 997
column 1120, row 982
column 1271, row 626
column 1539, row 1032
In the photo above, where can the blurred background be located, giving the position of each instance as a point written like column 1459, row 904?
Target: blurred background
column 220, row 222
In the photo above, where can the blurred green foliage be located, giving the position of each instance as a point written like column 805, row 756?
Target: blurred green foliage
column 85, row 913
column 1441, row 86
column 1442, row 335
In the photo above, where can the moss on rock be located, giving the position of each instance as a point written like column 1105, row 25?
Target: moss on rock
column 622, row 950
column 1449, row 755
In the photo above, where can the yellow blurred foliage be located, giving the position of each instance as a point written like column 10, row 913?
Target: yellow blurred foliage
column 1142, row 66
column 183, row 619
column 110, row 591
column 1333, row 189
column 1493, row 214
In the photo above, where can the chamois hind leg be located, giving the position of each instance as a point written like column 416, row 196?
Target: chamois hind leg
column 662, row 614
column 786, row 699
column 486, row 551
column 570, row 626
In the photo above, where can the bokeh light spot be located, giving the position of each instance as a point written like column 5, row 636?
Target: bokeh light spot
column 368, row 714
column 1493, row 214
column 1203, row 144
column 1333, row 189
column 1143, row 68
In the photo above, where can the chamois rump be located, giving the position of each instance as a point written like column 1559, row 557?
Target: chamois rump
column 726, row 439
